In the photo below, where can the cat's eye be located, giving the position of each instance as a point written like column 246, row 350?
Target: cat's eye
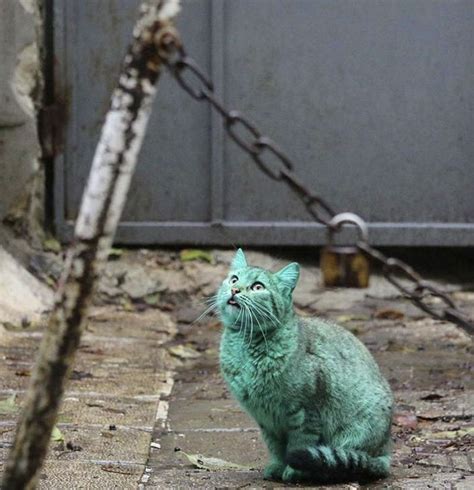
column 233, row 279
column 257, row 286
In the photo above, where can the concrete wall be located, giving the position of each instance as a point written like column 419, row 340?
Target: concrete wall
column 21, row 181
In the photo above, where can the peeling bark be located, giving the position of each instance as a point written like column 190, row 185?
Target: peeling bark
column 102, row 204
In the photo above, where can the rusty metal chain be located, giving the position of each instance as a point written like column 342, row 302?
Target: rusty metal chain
column 278, row 166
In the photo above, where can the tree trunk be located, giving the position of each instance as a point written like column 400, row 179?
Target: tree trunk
column 102, row 204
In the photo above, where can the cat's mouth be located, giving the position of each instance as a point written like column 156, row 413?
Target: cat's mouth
column 232, row 302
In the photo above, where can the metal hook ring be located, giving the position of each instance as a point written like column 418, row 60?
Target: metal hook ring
column 349, row 218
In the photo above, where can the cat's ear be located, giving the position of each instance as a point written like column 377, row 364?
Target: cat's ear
column 289, row 275
column 239, row 261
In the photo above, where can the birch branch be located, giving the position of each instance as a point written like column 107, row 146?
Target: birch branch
column 102, row 204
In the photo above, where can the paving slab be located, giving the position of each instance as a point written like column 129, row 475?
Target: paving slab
column 110, row 406
column 89, row 476
column 96, row 410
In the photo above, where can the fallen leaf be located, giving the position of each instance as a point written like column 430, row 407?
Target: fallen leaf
column 214, row 464
column 127, row 305
column 183, row 352
column 52, row 245
column 115, row 410
column 452, row 434
column 190, row 254
column 23, row 372
column 114, row 253
column 431, row 396
column 50, row 281
column 152, row 299
column 90, row 350
column 57, row 435
column 73, row 447
column 388, row 314
column 350, row 318
column 167, row 307
column 115, row 468
column 8, row 406
column 394, row 346
column 79, row 375
column 406, row 420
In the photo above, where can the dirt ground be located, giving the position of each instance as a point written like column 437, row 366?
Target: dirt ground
column 147, row 408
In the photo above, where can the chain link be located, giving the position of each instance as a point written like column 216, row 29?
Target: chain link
column 423, row 294
column 278, row 166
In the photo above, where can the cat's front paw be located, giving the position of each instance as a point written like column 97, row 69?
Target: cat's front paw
column 290, row 475
column 274, row 471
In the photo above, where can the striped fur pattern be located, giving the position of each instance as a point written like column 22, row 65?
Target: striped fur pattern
column 323, row 406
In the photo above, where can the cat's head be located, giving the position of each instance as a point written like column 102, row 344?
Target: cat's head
column 255, row 298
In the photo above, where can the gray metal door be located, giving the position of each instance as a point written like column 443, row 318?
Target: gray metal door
column 373, row 99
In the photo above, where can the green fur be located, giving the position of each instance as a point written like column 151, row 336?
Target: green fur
column 317, row 394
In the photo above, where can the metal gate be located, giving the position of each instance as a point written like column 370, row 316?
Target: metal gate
column 374, row 99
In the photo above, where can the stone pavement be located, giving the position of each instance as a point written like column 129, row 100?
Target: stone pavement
column 109, row 409
column 146, row 381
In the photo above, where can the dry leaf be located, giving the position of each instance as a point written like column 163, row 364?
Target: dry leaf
column 152, row 299
column 388, row 314
column 394, row 346
column 52, row 245
column 406, row 420
column 23, row 372
column 183, row 352
column 214, row 464
column 431, row 396
column 8, row 406
column 350, row 318
column 452, row 434
column 57, row 435
column 194, row 254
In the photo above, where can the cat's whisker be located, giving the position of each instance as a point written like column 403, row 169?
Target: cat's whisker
column 269, row 315
column 258, row 310
column 210, row 299
column 244, row 309
column 252, row 312
column 266, row 313
column 237, row 320
column 250, row 324
column 246, row 321
column 261, row 329
column 243, row 322
column 206, row 312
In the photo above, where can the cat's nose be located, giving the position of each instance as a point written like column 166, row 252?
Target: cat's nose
column 234, row 291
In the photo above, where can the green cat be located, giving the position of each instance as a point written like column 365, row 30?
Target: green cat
column 317, row 394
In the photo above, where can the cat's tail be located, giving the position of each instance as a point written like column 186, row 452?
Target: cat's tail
column 334, row 464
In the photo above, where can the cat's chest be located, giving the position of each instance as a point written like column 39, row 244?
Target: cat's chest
column 259, row 383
